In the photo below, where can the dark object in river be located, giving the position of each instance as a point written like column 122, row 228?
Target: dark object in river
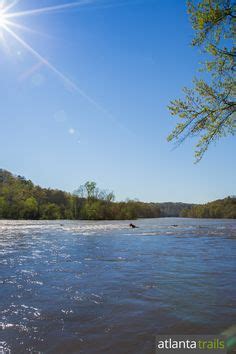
column 174, row 225
column 133, row 226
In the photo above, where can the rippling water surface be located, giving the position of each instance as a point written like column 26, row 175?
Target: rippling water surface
column 99, row 287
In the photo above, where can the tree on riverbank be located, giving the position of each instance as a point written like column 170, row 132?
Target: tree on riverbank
column 21, row 199
column 222, row 208
column 209, row 109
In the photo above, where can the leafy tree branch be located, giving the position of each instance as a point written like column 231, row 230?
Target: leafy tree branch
column 208, row 110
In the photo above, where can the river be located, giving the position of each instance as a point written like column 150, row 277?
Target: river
column 102, row 288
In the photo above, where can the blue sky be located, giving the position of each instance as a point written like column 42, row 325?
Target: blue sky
column 131, row 60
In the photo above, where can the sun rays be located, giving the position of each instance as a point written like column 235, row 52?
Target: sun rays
column 10, row 27
column 49, row 9
column 2, row 19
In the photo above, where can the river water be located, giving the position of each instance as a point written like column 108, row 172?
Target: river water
column 102, row 288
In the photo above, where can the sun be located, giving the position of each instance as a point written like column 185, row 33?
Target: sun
column 10, row 27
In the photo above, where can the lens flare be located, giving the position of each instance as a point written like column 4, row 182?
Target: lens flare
column 9, row 26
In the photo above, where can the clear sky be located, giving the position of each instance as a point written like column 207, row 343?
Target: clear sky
column 130, row 58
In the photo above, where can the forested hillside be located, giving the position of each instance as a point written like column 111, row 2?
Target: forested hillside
column 170, row 209
column 21, row 199
column 222, row 208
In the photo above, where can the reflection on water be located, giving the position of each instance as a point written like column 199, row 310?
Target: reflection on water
column 100, row 287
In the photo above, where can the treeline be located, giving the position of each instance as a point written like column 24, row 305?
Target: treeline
column 21, row 199
column 170, row 209
column 219, row 209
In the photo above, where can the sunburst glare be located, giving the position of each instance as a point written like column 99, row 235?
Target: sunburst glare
column 9, row 26
column 2, row 18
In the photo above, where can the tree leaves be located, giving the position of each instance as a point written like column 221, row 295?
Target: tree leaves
column 21, row 199
column 208, row 109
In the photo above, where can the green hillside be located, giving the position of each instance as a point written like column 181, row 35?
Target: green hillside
column 21, row 199
column 221, row 209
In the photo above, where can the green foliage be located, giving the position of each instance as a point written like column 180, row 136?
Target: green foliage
column 3, row 208
column 92, row 210
column 222, row 208
column 29, row 208
column 209, row 109
column 51, row 211
column 90, row 191
column 169, row 209
column 21, row 199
